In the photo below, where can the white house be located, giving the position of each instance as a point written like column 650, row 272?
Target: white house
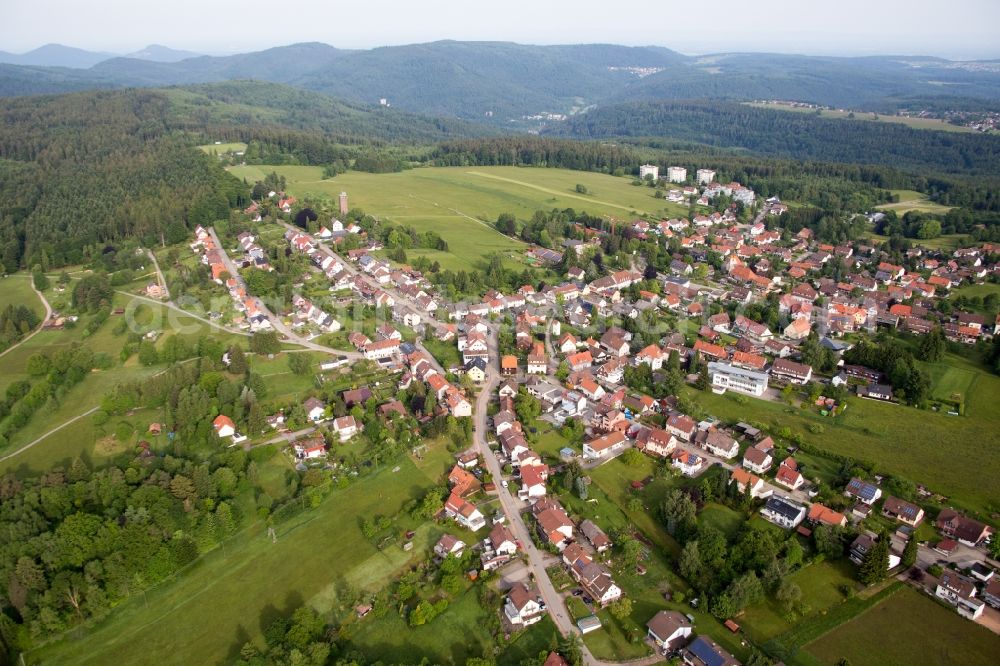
column 465, row 513
column 449, row 545
column 783, row 512
column 669, row 630
column 345, row 427
column 721, row 444
column 224, row 426
column 689, row 464
column 607, row 446
column 315, row 409
column 524, row 606
column 960, row 592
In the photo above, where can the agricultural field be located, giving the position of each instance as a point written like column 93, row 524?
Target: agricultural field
column 899, row 440
column 922, row 630
column 913, row 123
column 912, row 200
column 461, row 203
column 318, row 557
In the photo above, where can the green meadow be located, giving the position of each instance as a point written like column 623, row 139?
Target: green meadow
column 461, row 203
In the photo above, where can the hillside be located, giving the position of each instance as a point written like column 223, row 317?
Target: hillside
column 121, row 163
column 500, row 82
column 790, row 135
column 841, row 82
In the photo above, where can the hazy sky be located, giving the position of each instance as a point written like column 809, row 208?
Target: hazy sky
column 953, row 29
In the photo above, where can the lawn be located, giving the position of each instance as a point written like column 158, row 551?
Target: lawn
column 721, row 518
column 281, row 382
column 924, row 446
column 454, row 201
column 446, row 353
column 921, row 630
column 318, row 555
column 820, row 585
column 949, row 382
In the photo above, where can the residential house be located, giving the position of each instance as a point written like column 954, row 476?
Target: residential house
column 554, row 525
column 757, row 460
column 449, row 545
column 863, row 491
column 783, row 512
column 532, row 481
column 224, row 426
column 580, row 361
column 345, row 427
column 862, row 544
column 703, row 651
column 524, row 606
column 967, row 530
column 689, row 463
column 960, row 592
column 597, row 582
column 315, row 409
column 788, row 474
column 748, row 483
column 823, row 515
column 721, row 444
column 658, row 443
column 607, row 446
column 669, row 630
column 903, row 511
column 465, row 513
column 796, row 373
column 681, row 426
column 596, row 536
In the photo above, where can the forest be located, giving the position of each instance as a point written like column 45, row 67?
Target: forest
column 791, row 135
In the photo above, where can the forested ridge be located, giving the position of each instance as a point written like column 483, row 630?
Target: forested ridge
column 94, row 167
column 791, row 135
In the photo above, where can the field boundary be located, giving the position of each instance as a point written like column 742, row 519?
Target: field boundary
column 788, row 646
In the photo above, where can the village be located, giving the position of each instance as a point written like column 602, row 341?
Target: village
column 585, row 358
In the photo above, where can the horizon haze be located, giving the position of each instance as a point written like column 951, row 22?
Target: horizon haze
column 854, row 28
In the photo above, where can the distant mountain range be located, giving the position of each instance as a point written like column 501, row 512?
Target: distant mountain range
column 57, row 55
column 512, row 85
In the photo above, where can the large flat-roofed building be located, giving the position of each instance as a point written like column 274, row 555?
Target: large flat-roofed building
column 705, row 176
column 677, row 174
column 649, row 170
column 725, row 377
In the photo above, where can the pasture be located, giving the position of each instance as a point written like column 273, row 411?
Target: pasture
column 913, row 123
column 912, row 200
column 15, row 289
column 922, row 630
column 223, row 148
column 461, row 203
column 924, row 446
column 319, row 557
